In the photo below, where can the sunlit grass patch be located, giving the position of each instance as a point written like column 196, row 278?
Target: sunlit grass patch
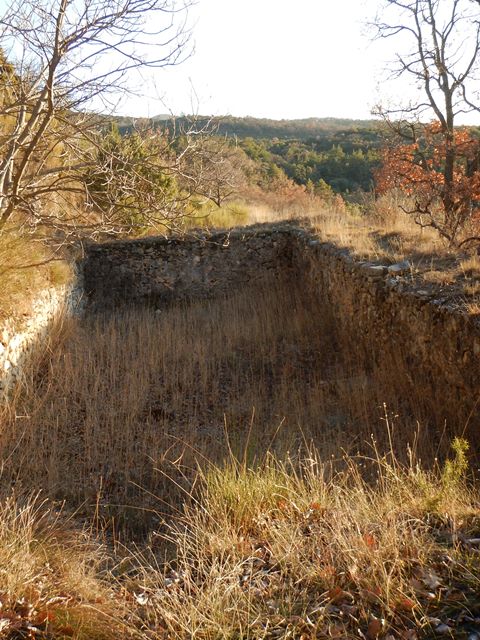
column 208, row 214
column 296, row 549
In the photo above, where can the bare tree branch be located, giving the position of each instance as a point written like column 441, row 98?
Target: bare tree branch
column 443, row 57
column 68, row 58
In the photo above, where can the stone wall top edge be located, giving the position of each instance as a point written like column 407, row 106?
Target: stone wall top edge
column 195, row 236
column 411, row 296
column 315, row 248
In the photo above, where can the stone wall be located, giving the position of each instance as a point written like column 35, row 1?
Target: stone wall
column 420, row 353
column 19, row 341
column 199, row 265
column 423, row 353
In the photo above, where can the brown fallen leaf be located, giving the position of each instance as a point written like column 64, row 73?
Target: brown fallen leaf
column 405, row 604
column 337, row 594
column 375, row 628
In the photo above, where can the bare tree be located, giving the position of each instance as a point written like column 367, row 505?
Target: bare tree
column 216, row 170
column 145, row 177
column 439, row 49
column 71, row 59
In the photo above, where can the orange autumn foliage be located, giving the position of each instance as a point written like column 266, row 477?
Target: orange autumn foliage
column 441, row 198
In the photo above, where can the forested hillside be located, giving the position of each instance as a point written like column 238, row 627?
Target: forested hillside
column 343, row 160
column 314, row 151
column 304, row 129
column 339, row 152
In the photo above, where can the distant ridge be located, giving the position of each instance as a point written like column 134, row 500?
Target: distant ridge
column 299, row 129
column 303, row 128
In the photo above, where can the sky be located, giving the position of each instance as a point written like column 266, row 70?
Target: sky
column 279, row 59
column 274, row 59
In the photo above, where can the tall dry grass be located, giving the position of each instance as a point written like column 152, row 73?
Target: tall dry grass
column 289, row 548
column 380, row 230
column 121, row 397
column 295, row 550
column 225, row 436
column 122, row 401
column 54, row 578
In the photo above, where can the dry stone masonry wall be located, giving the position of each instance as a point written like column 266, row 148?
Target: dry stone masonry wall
column 18, row 342
column 399, row 336
column 409, row 341
column 415, row 345
column 199, row 265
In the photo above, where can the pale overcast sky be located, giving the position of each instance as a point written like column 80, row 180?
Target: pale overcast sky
column 272, row 58
column 277, row 59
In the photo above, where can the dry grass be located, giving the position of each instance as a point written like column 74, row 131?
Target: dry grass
column 276, row 549
column 380, row 232
column 295, row 550
column 473, row 305
column 354, row 232
column 232, row 213
column 439, row 277
column 243, row 444
column 376, row 230
column 470, row 267
column 53, row 578
column 176, row 426
column 122, row 398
